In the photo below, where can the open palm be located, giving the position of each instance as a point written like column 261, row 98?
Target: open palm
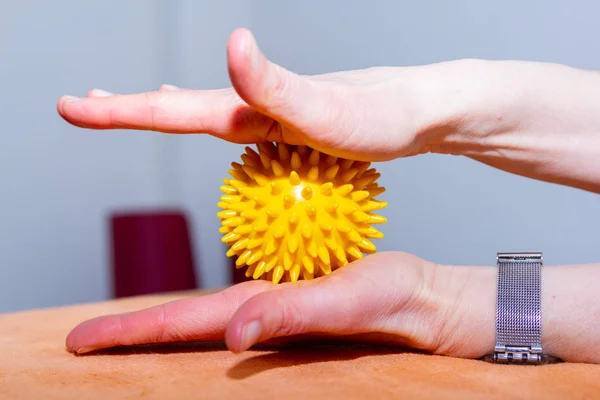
column 391, row 298
column 352, row 114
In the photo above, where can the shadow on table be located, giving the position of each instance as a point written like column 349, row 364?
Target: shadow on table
column 269, row 357
column 160, row 348
column 291, row 356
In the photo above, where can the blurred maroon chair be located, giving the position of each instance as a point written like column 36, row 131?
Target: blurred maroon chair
column 238, row 275
column 151, row 253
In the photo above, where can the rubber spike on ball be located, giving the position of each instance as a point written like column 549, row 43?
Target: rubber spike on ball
column 290, row 212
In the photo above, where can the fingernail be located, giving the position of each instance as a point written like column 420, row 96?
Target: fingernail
column 250, row 334
column 99, row 93
column 168, row 88
column 70, row 98
column 84, row 350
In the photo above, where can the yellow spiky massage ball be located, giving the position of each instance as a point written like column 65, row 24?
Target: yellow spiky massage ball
column 291, row 212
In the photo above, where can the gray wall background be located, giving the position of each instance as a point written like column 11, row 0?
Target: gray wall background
column 58, row 183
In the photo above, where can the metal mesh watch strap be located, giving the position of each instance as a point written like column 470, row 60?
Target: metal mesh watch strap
column 519, row 311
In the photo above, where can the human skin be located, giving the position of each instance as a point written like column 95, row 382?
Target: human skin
column 537, row 120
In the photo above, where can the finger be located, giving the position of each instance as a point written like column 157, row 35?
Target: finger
column 290, row 98
column 99, row 93
column 201, row 318
column 220, row 113
column 351, row 301
column 169, row 88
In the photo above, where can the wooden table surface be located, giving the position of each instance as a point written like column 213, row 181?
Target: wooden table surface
column 35, row 365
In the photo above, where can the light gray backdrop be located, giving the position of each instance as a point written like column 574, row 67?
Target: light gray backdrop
column 57, row 183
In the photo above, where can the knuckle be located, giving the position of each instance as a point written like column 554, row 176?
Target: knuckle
column 153, row 106
column 156, row 105
column 168, row 330
column 288, row 317
column 281, row 86
column 162, row 333
column 231, row 296
column 121, row 340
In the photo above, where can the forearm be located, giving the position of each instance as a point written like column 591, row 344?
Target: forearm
column 532, row 119
column 570, row 311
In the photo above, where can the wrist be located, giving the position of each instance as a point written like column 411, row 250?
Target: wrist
column 466, row 103
column 533, row 119
column 466, row 325
column 570, row 311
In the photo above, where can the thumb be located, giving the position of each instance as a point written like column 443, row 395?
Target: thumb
column 316, row 308
column 345, row 303
column 271, row 89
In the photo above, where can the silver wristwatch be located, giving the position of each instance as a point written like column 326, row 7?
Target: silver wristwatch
column 518, row 310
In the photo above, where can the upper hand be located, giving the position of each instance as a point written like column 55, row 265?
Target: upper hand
column 532, row 119
column 368, row 115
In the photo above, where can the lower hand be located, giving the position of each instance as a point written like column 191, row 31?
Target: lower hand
column 391, row 298
column 388, row 298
